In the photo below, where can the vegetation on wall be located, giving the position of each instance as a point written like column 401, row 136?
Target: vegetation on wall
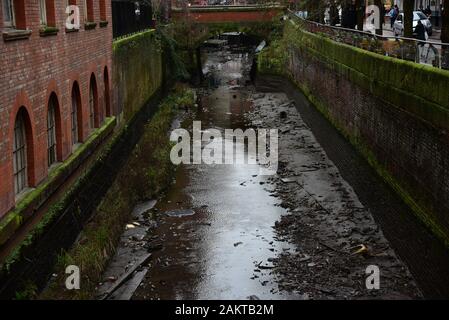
column 138, row 70
column 407, row 84
column 174, row 60
column 273, row 59
column 146, row 174
column 55, row 210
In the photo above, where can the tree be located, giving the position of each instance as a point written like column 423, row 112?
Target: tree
column 445, row 34
column 445, row 18
column 408, row 18
column 360, row 7
column 380, row 5
column 314, row 10
column 348, row 14
column 333, row 13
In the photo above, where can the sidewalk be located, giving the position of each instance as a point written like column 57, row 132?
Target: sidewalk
column 388, row 32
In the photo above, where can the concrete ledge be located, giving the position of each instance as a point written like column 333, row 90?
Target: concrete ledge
column 36, row 198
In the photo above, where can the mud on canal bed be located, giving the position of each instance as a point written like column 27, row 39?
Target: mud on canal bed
column 226, row 232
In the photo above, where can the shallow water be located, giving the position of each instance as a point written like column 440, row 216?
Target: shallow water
column 223, row 251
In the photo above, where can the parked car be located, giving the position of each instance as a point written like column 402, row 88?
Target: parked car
column 398, row 27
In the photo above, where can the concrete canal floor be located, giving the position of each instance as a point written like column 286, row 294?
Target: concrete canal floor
column 227, row 232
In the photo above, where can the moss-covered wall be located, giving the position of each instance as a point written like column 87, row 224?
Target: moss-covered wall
column 396, row 113
column 137, row 71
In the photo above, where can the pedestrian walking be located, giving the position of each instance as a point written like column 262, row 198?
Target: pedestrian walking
column 420, row 32
column 428, row 12
column 420, row 35
column 394, row 12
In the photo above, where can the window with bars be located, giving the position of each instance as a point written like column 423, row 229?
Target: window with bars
column 8, row 13
column 51, row 132
column 20, row 155
column 74, row 114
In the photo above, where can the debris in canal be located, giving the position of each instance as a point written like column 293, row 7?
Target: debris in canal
column 123, row 278
column 318, row 200
column 138, row 181
column 180, row 213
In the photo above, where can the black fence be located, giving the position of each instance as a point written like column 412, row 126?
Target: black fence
column 130, row 17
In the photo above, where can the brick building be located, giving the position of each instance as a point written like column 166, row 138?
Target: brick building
column 54, row 87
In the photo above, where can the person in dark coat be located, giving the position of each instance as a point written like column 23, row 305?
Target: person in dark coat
column 420, row 32
column 349, row 16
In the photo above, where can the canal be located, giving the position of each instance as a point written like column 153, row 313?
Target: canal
column 228, row 232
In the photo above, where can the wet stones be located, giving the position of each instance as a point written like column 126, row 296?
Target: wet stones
column 180, row 213
column 283, row 115
column 335, row 236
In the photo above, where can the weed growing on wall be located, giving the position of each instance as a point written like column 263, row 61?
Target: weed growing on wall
column 146, row 174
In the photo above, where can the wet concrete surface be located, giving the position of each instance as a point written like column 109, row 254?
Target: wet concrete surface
column 224, row 250
column 226, row 232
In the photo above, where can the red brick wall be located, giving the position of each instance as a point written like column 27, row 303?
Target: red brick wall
column 413, row 152
column 31, row 69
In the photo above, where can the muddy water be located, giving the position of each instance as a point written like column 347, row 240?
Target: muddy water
column 223, row 248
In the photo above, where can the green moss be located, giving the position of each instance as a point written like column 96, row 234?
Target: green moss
column 47, row 31
column 90, row 25
column 148, row 172
column 420, row 209
column 273, row 59
column 132, row 40
column 434, row 114
column 138, row 70
column 15, row 218
column 28, row 292
column 429, row 84
column 420, row 90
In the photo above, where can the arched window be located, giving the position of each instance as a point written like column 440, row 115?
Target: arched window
column 93, row 103
column 76, row 115
column 106, row 92
column 53, row 130
column 22, row 151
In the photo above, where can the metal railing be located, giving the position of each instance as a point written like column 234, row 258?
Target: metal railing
column 432, row 53
column 179, row 4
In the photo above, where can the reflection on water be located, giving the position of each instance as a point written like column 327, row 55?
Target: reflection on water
column 215, row 253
